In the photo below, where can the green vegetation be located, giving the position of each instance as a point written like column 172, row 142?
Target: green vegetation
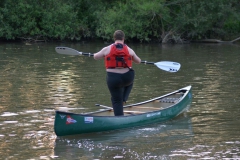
column 144, row 21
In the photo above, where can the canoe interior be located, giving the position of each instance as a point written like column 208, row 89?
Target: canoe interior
column 155, row 104
column 154, row 110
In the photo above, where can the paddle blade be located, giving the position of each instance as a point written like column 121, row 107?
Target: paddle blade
column 168, row 66
column 67, row 51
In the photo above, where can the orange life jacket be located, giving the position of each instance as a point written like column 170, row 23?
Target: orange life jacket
column 118, row 57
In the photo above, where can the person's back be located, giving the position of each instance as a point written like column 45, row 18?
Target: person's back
column 120, row 75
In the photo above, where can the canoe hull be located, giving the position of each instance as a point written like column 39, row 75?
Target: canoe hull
column 67, row 123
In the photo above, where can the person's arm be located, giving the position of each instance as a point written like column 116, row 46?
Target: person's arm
column 136, row 59
column 101, row 54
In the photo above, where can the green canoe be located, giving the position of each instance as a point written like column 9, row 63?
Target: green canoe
column 157, row 109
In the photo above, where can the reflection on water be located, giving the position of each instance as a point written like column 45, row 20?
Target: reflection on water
column 35, row 81
column 122, row 143
column 225, row 150
column 25, row 131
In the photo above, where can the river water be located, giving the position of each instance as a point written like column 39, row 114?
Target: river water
column 35, row 81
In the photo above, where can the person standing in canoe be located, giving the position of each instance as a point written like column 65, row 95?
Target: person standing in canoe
column 120, row 75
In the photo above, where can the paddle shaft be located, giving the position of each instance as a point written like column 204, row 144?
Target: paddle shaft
column 71, row 52
column 63, row 50
column 87, row 54
column 146, row 62
column 163, row 65
column 100, row 105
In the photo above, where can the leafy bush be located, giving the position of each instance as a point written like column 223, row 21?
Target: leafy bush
column 141, row 20
column 23, row 18
column 205, row 19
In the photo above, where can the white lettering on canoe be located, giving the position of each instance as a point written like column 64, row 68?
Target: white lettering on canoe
column 88, row 119
column 153, row 114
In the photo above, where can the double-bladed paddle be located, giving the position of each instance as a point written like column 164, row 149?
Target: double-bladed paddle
column 164, row 65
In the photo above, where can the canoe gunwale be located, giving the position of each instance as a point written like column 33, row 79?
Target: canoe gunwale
column 186, row 89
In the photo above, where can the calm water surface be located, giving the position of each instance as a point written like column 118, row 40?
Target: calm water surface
column 35, row 81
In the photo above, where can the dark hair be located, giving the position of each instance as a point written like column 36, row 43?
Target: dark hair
column 118, row 35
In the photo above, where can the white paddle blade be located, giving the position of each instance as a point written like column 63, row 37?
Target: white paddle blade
column 168, row 66
column 67, row 51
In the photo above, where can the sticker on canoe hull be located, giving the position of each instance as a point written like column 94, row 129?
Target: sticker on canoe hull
column 88, row 119
column 190, row 95
column 153, row 114
column 70, row 120
column 62, row 116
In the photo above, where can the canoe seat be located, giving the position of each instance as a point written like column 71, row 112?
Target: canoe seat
column 136, row 112
column 153, row 108
column 169, row 100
